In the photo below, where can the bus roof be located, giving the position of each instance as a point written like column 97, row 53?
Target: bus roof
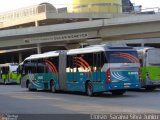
column 86, row 50
column 89, row 49
column 8, row 64
column 98, row 48
column 43, row 55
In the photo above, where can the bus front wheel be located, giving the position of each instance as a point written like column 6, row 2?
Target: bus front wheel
column 52, row 87
column 89, row 89
column 27, row 83
column 29, row 86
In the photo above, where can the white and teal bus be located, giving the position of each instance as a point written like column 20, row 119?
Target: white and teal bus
column 92, row 70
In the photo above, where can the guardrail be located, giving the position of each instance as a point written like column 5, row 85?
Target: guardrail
column 153, row 10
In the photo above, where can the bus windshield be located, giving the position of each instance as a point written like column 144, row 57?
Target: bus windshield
column 13, row 68
column 122, row 57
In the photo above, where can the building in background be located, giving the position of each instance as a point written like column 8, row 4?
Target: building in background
column 127, row 6
column 102, row 6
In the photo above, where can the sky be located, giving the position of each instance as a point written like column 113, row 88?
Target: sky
column 9, row 5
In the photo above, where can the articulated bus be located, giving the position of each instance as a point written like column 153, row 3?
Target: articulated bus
column 8, row 73
column 150, row 67
column 92, row 70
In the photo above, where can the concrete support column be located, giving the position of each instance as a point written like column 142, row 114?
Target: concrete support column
column 39, row 49
column 72, row 46
column 20, row 57
column 36, row 23
column 90, row 19
column 142, row 44
column 12, row 59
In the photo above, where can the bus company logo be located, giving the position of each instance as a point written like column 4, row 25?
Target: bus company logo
column 132, row 73
column 8, row 117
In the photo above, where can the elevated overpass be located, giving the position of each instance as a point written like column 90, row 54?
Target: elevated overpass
column 124, row 28
column 46, row 14
column 73, row 30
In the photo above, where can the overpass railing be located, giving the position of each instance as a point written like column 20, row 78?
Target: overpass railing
column 44, row 8
column 24, row 12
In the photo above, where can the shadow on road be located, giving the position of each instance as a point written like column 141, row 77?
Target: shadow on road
column 9, row 83
column 100, row 95
column 144, row 90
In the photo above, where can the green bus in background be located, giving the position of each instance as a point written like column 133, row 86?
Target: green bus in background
column 150, row 67
column 8, row 73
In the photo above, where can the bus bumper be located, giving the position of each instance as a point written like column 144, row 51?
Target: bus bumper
column 123, row 86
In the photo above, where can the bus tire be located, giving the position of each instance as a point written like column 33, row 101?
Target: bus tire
column 5, row 81
column 89, row 88
column 27, row 83
column 52, row 86
column 29, row 87
column 149, row 88
column 118, row 92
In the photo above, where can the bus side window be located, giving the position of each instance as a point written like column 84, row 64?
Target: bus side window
column 69, row 64
column 85, row 62
column 53, row 62
column 99, row 59
column 74, row 64
column 90, row 61
column 97, row 62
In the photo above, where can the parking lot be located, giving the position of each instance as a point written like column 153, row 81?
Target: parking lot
column 17, row 100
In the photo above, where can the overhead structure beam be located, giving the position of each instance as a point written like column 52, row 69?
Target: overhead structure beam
column 125, row 28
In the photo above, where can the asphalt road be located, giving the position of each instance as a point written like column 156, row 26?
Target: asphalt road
column 17, row 100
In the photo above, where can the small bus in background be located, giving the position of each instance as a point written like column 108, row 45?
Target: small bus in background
column 93, row 69
column 150, row 67
column 8, row 73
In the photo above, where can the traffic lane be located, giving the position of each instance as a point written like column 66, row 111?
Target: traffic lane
column 17, row 100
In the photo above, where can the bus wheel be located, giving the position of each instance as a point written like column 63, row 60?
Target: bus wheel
column 27, row 83
column 149, row 88
column 118, row 92
column 52, row 87
column 29, row 86
column 5, row 81
column 89, row 89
